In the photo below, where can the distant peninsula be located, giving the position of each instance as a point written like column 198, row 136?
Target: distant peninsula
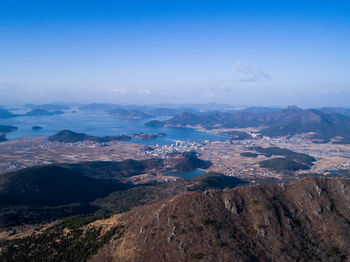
column 6, row 113
column 7, row 129
column 147, row 136
column 325, row 124
column 154, row 123
column 68, row 136
column 4, row 130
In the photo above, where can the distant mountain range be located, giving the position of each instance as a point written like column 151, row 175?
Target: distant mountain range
column 125, row 110
column 338, row 110
column 285, row 122
column 326, row 123
column 258, row 109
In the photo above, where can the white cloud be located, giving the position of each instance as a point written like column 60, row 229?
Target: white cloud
column 3, row 82
column 143, row 91
column 121, row 91
column 247, row 73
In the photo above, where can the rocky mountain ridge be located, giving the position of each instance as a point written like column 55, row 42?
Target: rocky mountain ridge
column 307, row 220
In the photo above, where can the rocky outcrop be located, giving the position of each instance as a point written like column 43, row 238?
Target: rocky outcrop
column 307, row 220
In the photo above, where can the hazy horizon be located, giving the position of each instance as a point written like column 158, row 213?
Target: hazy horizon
column 136, row 52
column 207, row 107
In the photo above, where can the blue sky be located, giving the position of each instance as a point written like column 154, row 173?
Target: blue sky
column 237, row 52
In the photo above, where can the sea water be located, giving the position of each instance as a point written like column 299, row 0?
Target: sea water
column 99, row 123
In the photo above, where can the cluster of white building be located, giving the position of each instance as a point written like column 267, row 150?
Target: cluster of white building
column 163, row 151
column 248, row 170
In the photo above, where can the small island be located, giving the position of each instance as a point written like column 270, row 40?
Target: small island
column 42, row 112
column 68, row 136
column 36, row 128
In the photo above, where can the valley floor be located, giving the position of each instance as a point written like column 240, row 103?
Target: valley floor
column 225, row 156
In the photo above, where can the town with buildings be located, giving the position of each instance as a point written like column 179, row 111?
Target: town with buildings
column 165, row 151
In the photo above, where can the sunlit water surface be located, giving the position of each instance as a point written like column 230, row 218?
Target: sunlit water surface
column 101, row 124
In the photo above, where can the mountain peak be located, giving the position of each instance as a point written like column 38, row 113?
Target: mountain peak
column 294, row 107
column 251, row 223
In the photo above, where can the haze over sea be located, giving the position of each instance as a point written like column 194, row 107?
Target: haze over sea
column 100, row 123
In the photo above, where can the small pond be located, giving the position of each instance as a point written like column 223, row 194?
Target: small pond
column 188, row 174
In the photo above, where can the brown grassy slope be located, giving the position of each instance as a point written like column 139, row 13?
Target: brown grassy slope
column 307, row 220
